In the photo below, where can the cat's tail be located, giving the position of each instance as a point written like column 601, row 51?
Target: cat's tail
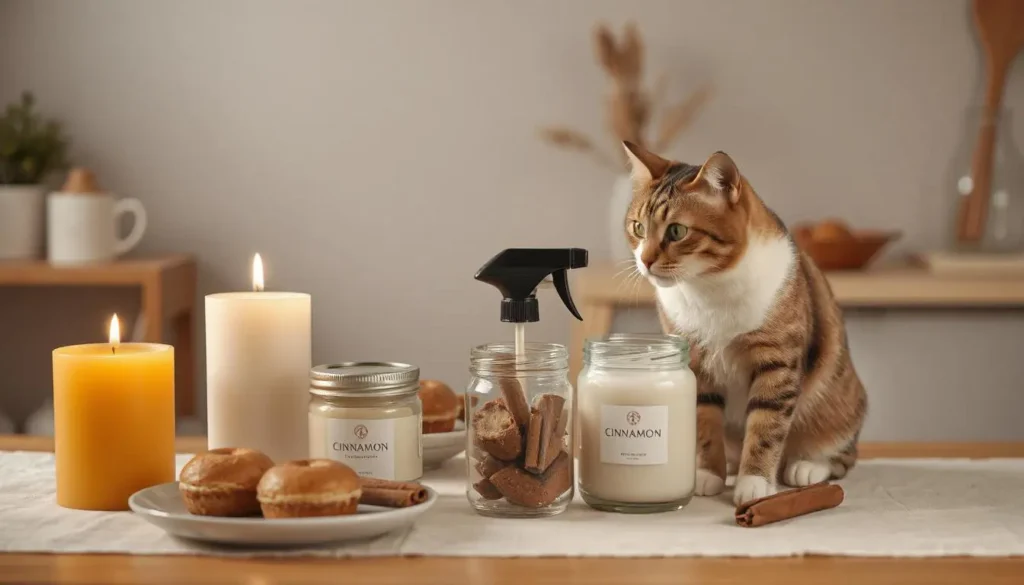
column 844, row 461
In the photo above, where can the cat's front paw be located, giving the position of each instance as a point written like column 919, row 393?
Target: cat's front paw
column 751, row 487
column 804, row 473
column 708, row 484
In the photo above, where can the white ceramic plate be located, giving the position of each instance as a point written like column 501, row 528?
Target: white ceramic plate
column 440, row 447
column 162, row 505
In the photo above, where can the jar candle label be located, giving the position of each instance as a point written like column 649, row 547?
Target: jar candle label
column 367, row 446
column 634, row 435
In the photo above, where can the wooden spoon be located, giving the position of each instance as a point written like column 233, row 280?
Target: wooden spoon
column 1000, row 26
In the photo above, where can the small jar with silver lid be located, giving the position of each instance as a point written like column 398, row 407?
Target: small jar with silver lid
column 367, row 415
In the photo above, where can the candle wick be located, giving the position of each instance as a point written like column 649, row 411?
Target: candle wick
column 113, row 350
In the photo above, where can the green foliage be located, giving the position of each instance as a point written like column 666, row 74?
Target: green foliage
column 30, row 146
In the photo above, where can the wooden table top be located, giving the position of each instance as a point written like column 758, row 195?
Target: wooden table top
column 24, row 569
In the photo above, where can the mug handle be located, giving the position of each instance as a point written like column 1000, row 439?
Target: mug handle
column 134, row 207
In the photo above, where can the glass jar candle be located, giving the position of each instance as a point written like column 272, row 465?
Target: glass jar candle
column 637, row 402
column 520, row 462
column 367, row 416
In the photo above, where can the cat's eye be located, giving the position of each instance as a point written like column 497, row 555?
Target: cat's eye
column 675, row 232
column 638, row 230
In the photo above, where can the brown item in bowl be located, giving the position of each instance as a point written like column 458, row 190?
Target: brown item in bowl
column 853, row 253
column 831, row 230
column 222, row 482
column 802, row 232
column 440, row 406
column 309, row 487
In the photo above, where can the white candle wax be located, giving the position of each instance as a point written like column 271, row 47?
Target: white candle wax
column 638, row 435
column 258, row 357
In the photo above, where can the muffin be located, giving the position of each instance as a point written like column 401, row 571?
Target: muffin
column 440, row 407
column 222, row 482
column 309, row 487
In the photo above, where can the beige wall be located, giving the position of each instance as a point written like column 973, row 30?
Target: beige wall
column 376, row 153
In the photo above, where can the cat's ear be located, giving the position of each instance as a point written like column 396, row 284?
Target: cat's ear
column 645, row 166
column 721, row 174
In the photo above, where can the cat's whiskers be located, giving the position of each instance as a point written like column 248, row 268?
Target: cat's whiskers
column 624, row 269
column 627, row 279
column 636, row 287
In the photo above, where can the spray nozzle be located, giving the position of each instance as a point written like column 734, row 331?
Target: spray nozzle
column 517, row 272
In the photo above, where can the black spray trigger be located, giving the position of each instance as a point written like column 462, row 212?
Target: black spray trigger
column 561, row 279
column 517, row 272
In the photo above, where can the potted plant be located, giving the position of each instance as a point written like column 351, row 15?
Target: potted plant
column 31, row 147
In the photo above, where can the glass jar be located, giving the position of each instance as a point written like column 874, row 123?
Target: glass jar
column 1003, row 230
column 637, row 409
column 367, row 416
column 520, row 462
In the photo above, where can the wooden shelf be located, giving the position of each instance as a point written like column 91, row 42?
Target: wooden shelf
column 168, row 286
column 40, row 272
column 893, row 286
column 601, row 289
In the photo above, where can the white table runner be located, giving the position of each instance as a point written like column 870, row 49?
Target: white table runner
column 914, row 508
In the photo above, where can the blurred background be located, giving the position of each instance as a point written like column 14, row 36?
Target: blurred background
column 376, row 153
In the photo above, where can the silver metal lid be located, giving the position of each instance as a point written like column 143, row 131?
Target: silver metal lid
column 363, row 379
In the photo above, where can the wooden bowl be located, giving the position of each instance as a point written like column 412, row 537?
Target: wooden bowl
column 853, row 253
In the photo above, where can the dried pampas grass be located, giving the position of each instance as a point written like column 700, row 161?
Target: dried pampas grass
column 570, row 139
column 630, row 106
column 679, row 117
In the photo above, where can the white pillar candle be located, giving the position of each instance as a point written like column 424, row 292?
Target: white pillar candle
column 258, row 357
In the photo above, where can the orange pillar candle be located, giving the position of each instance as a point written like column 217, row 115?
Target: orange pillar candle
column 113, row 406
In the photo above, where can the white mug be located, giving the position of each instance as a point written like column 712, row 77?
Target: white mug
column 82, row 227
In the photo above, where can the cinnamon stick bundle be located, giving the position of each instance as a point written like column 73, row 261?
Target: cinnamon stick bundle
column 789, row 504
column 391, row 494
column 388, row 498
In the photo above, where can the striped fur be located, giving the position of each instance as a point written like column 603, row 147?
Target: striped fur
column 778, row 397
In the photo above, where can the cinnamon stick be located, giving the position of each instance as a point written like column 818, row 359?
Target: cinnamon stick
column 387, row 498
column 555, row 421
column 531, row 460
column 789, row 504
column 515, row 400
column 417, row 492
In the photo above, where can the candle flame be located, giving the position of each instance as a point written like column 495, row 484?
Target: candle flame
column 115, row 331
column 257, row 273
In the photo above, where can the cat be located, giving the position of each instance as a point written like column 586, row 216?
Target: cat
column 778, row 398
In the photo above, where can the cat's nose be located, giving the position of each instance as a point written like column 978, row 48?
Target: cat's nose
column 648, row 262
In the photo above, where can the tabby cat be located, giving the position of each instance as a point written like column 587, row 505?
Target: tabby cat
column 777, row 398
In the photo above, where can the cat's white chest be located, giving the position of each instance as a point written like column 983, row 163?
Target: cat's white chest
column 713, row 317
column 716, row 309
column 719, row 307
